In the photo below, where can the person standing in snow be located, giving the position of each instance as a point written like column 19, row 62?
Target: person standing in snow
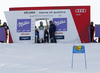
column 6, row 29
column 41, row 32
column 52, row 31
column 0, row 23
column 92, row 31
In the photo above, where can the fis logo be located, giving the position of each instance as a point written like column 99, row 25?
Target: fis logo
column 80, row 10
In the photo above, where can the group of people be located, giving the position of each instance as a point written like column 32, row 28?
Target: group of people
column 6, row 29
column 42, row 34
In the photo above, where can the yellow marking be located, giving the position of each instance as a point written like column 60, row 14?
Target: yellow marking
column 78, row 48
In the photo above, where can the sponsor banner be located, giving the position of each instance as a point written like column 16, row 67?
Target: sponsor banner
column 61, row 24
column 81, row 16
column 97, row 30
column 76, row 18
column 59, row 36
column 25, row 38
column 83, row 10
column 2, row 34
column 78, row 49
column 23, row 25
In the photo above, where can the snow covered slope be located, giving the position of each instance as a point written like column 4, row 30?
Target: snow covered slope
column 47, row 58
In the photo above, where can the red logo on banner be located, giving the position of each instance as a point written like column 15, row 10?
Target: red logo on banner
column 80, row 10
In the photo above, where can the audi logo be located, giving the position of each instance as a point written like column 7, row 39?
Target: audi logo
column 80, row 10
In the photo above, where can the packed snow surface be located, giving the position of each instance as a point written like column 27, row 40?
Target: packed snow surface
column 48, row 58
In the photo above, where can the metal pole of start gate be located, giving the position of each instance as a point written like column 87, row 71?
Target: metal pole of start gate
column 78, row 50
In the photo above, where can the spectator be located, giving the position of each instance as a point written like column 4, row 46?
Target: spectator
column 0, row 23
column 99, row 39
column 36, row 35
column 52, row 31
column 46, row 36
column 6, row 28
column 92, row 31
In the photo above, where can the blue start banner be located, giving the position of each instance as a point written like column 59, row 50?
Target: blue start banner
column 78, row 49
column 97, row 30
column 23, row 25
column 61, row 24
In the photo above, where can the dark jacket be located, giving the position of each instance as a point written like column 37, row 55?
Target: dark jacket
column 46, row 36
column 46, row 33
column 92, row 32
column 52, row 28
column 6, row 27
column 36, row 33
